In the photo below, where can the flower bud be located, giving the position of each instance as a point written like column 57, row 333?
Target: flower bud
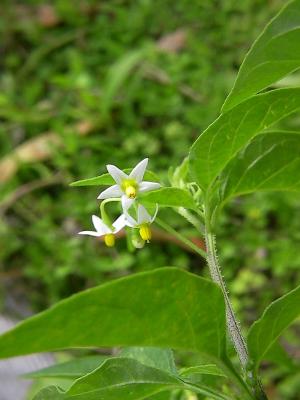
column 138, row 242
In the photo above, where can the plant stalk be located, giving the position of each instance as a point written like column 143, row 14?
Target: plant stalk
column 232, row 323
column 180, row 237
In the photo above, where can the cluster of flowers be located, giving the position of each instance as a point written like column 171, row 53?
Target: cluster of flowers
column 126, row 189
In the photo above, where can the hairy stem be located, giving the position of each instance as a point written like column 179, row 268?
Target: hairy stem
column 215, row 272
column 232, row 324
column 226, row 363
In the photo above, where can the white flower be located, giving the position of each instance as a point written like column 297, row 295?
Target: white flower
column 101, row 229
column 143, row 222
column 128, row 186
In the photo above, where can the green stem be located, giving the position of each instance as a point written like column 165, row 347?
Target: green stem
column 232, row 323
column 233, row 327
column 113, row 199
column 226, row 363
column 103, row 213
column 180, row 237
column 236, row 377
column 206, row 391
column 258, row 389
column 192, row 219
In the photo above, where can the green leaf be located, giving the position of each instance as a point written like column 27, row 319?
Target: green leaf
column 205, row 369
column 152, row 356
column 232, row 131
column 273, row 55
column 169, row 197
column 278, row 355
column 107, row 180
column 119, row 378
column 72, row 369
column 276, row 318
column 50, row 393
column 270, row 162
column 126, row 379
column 162, row 396
column 178, row 176
column 167, row 307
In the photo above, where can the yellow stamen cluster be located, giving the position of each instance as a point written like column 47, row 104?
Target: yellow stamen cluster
column 130, row 192
column 129, row 186
column 145, row 232
column 109, row 239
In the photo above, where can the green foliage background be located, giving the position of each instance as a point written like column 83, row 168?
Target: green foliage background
column 97, row 77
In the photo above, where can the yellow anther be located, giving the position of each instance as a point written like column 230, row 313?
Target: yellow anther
column 129, row 186
column 130, row 192
column 145, row 232
column 109, row 240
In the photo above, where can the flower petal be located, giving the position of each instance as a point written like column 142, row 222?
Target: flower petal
column 116, row 173
column 143, row 215
column 112, row 191
column 126, row 203
column 90, row 233
column 119, row 223
column 100, row 226
column 147, row 186
column 131, row 222
column 138, row 171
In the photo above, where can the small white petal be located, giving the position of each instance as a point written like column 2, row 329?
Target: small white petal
column 119, row 223
column 147, row 186
column 116, row 173
column 130, row 221
column 90, row 233
column 126, row 202
column 100, row 226
column 143, row 215
column 112, row 191
column 155, row 214
column 138, row 171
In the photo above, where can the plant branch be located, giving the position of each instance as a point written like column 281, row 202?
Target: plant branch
column 226, row 363
column 230, row 369
column 232, row 323
column 192, row 219
column 180, row 237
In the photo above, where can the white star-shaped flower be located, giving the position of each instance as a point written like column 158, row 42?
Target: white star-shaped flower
column 143, row 222
column 128, row 186
column 101, row 229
